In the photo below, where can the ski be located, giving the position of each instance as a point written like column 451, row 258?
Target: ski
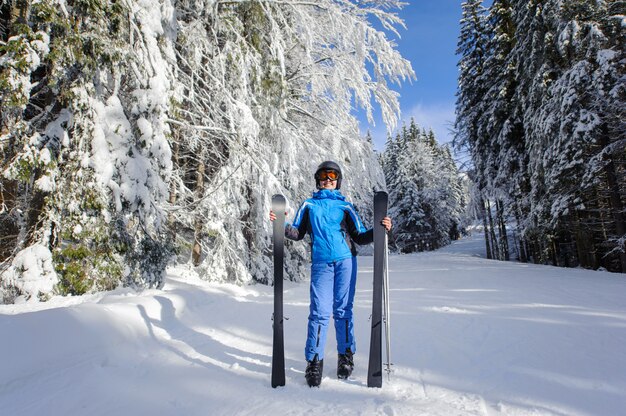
column 278, row 350
column 374, row 371
column 387, row 311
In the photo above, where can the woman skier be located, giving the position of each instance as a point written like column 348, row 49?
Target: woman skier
column 334, row 227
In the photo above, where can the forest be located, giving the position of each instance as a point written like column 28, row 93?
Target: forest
column 140, row 134
column 541, row 115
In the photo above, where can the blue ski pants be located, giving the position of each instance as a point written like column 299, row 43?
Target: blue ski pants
column 332, row 289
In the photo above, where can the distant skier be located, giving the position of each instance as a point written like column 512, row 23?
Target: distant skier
column 334, row 227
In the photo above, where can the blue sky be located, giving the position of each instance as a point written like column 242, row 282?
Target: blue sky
column 429, row 42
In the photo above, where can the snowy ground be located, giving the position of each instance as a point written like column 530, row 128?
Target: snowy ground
column 470, row 337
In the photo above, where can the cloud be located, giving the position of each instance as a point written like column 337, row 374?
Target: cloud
column 440, row 117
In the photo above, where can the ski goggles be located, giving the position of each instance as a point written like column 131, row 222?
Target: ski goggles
column 327, row 175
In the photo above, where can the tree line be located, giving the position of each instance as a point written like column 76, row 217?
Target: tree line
column 541, row 113
column 428, row 197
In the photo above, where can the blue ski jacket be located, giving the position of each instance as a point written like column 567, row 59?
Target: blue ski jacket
column 333, row 225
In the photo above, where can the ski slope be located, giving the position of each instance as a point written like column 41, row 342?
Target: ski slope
column 470, row 337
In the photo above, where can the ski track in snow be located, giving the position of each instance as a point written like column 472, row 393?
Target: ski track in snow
column 470, row 336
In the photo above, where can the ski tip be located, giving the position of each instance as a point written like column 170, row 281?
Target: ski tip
column 381, row 197
column 278, row 203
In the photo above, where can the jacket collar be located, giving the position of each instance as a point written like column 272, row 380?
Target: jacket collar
column 329, row 194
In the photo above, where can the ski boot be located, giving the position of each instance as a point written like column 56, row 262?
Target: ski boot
column 345, row 364
column 313, row 373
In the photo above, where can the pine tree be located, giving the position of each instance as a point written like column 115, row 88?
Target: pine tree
column 426, row 199
column 471, row 48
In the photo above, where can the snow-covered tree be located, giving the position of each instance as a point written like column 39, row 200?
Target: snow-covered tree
column 134, row 130
column 548, row 150
column 86, row 158
column 427, row 199
column 286, row 107
column 472, row 49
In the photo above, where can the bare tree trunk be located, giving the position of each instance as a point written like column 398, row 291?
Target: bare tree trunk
column 485, row 228
column 173, row 196
column 196, row 254
column 584, row 244
column 615, row 200
column 554, row 252
column 523, row 252
column 492, row 233
column 504, row 242
column 516, row 246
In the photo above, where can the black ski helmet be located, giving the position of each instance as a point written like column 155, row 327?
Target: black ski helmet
column 329, row 165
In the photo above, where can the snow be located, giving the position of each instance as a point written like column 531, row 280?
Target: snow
column 31, row 272
column 45, row 184
column 470, row 336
